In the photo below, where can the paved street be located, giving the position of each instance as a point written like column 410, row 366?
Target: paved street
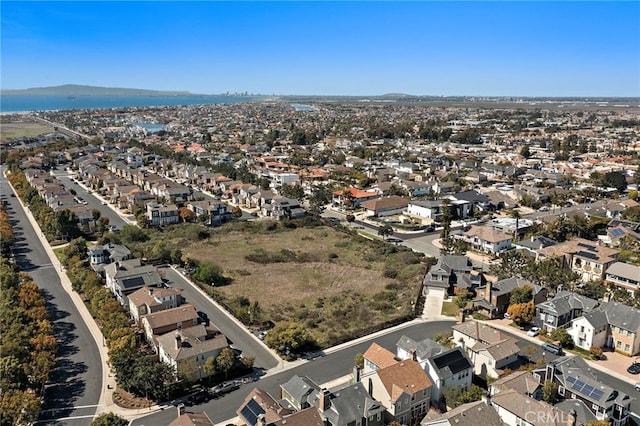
column 74, row 390
column 235, row 332
column 322, row 370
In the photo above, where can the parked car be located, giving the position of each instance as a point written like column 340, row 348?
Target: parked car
column 262, row 334
column 104, row 203
column 554, row 349
column 224, row 387
column 637, row 386
column 507, row 316
column 198, row 397
column 634, row 368
column 533, row 331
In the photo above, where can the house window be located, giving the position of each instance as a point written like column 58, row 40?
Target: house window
column 379, row 417
column 561, row 390
column 618, row 344
column 627, row 347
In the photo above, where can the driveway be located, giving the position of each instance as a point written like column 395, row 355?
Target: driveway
column 433, row 302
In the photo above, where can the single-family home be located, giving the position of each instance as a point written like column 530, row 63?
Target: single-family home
column 487, row 239
column 522, row 382
column 404, row 389
column 125, row 277
column 516, row 409
column 158, row 323
column 587, row 258
column 189, row 348
column 624, row 276
column 564, row 307
column 159, row 214
column 385, row 206
column 589, row 330
column 192, row 419
column 148, row 300
column 470, row 414
column 576, row 380
column 493, row 299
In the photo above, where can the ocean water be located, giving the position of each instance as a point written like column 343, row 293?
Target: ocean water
column 48, row 103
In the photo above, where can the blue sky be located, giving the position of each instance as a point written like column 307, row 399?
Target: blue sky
column 471, row 48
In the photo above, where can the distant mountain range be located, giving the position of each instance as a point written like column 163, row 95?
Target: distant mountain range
column 80, row 90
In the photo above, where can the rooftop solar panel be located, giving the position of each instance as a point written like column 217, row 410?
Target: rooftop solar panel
column 596, row 394
column 617, row 232
column 251, row 412
column 587, row 255
column 588, row 389
column 587, row 246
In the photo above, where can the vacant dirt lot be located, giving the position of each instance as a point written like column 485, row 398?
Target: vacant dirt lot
column 13, row 128
column 333, row 282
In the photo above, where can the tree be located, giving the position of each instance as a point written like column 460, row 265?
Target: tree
column 522, row 313
column 109, row 419
column 562, row 335
column 550, row 273
column 445, row 235
column 511, row 263
column 225, row 361
column 236, row 211
column 615, row 180
column 592, row 290
column 351, row 218
column 385, row 231
column 188, row 370
column 209, row 272
column 522, row 294
column 455, row 396
column 287, row 338
column 187, row 215
column 515, row 214
column 358, row 360
column 210, row 367
column 525, row 152
column 550, row 392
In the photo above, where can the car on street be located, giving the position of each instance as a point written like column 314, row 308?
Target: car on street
column 262, row 334
column 634, row 368
column 554, row 349
column 198, row 397
column 394, row 240
column 224, row 388
column 507, row 316
column 637, row 386
column 533, row 331
column 543, row 209
column 104, row 203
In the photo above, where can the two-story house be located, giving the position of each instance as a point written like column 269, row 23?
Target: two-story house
column 158, row 323
column 492, row 300
column 559, row 311
column 487, row 239
column 214, row 212
column 587, row 258
column 623, row 275
column 125, row 277
column 148, row 300
column 159, row 214
column 576, row 380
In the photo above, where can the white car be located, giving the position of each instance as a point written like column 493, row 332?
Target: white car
column 533, row 331
column 637, row 386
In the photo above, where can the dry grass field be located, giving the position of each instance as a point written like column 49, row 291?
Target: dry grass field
column 13, row 127
column 335, row 283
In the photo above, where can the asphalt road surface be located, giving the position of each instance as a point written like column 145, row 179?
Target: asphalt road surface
column 320, row 370
column 73, row 393
column 237, row 334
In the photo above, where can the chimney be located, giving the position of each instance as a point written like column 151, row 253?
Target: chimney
column 324, row 402
column 460, row 316
column 571, row 419
column 178, row 341
column 487, row 292
column 356, row 373
column 461, row 343
column 486, row 398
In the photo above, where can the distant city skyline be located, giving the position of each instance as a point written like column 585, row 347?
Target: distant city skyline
column 360, row 48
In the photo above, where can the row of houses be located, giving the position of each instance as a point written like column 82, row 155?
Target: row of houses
column 172, row 328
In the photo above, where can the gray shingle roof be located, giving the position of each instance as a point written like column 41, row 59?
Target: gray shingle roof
column 621, row 315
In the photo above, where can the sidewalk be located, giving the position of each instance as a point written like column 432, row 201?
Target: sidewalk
column 615, row 365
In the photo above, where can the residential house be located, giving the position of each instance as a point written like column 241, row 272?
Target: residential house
column 522, row 382
column 297, row 392
column 576, row 380
column 487, row 239
column 614, row 209
column 624, row 327
column 385, row 206
column 286, row 208
column 100, row 255
column 623, row 275
column 158, row 323
column 377, row 357
column 403, row 388
column 590, row 330
column 159, row 214
column 353, row 198
column 347, row 405
column 445, row 367
column 192, row 419
column 464, row 204
column 516, row 409
column 488, row 348
column 470, row 414
column 259, row 408
column 148, row 300
column 587, row 258
column 125, row 277
column 451, row 272
column 189, row 348
column 215, row 212
column 533, row 244
column 428, row 211
column 564, row 307
column 493, row 299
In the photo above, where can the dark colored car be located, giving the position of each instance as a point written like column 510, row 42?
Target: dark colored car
column 634, row 368
column 199, row 397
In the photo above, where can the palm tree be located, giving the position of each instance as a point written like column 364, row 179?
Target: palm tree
column 515, row 214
